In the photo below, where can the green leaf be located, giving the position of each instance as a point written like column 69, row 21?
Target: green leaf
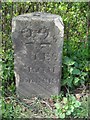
column 77, row 104
column 56, row 112
column 62, row 115
column 76, row 81
column 65, row 100
column 57, row 105
column 73, row 98
column 64, row 82
column 76, row 64
column 66, row 107
column 68, row 112
column 84, row 73
column 71, row 69
column 72, row 108
column 68, row 81
column 76, row 71
column 68, row 61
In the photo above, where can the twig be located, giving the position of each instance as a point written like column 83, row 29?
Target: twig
column 47, row 104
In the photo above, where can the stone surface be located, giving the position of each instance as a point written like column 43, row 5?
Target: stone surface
column 38, row 44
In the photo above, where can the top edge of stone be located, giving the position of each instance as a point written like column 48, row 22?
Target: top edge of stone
column 38, row 16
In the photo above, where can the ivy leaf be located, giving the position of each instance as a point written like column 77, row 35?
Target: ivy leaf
column 76, row 71
column 56, row 112
column 84, row 74
column 65, row 100
column 57, row 105
column 62, row 115
column 72, row 108
column 66, row 107
column 71, row 69
column 68, row 112
column 76, row 80
column 68, row 61
column 77, row 104
column 76, row 64
column 68, row 81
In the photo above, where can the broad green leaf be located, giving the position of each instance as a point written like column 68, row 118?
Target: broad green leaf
column 72, row 108
column 76, row 71
column 77, row 104
column 72, row 99
column 76, row 80
column 68, row 61
column 64, row 82
column 68, row 112
column 65, row 100
column 68, row 81
column 76, row 64
column 71, row 69
column 57, row 105
column 62, row 115
column 56, row 112
column 84, row 73
column 66, row 107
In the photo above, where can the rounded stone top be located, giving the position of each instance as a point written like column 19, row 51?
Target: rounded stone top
column 38, row 16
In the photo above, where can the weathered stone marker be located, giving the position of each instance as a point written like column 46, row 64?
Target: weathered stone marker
column 38, row 44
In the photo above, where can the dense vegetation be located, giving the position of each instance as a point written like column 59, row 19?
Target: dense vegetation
column 75, row 63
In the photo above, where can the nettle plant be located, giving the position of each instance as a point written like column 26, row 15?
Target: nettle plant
column 74, row 75
column 66, row 106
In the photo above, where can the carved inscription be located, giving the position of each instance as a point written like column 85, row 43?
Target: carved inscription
column 26, row 32
column 43, row 55
column 30, row 34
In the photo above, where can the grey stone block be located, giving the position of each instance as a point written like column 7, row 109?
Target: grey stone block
column 38, row 44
